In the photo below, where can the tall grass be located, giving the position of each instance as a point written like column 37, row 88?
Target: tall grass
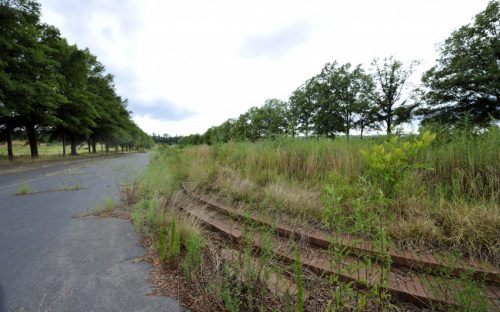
column 451, row 205
column 155, row 215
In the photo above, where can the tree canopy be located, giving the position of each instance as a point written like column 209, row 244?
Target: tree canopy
column 48, row 85
column 465, row 82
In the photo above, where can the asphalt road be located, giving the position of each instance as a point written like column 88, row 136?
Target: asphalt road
column 51, row 259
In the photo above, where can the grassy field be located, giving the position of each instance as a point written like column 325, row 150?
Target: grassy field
column 435, row 191
column 46, row 151
column 444, row 196
column 22, row 148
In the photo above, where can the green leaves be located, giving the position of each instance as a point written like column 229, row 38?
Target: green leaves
column 47, row 83
column 465, row 83
column 388, row 164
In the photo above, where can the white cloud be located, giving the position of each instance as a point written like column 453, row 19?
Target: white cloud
column 217, row 58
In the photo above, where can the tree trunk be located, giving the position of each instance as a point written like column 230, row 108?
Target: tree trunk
column 94, row 143
column 31, row 131
column 122, row 148
column 64, row 143
column 107, row 148
column 389, row 124
column 10, row 152
column 72, row 137
column 89, row 148
column 116, row 148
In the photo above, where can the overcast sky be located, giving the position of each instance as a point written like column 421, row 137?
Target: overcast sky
column 188, row 65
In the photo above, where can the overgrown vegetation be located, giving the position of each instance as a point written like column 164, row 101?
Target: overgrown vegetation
column 157, row 218
column 435, row 191
column 412, row 191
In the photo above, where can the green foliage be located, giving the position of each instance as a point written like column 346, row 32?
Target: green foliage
column 162, row 244
column 24, row 189
column 51, row 85
column 109, row 203
column 390, row 163
column 391, row 76
column 299, row 306
column 472, row 298
column 231, row 289
column 174, row 242
column 465, row 82
column 194, row 255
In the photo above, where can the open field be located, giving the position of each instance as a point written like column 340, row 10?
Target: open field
column 22, row 149
column 47, row 152
column 431, row 194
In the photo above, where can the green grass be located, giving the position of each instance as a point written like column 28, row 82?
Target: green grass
column 21, row 148
column 448, row 199
column 46, row 151
column 109, row 203
column 437, row 194
column 24, row 189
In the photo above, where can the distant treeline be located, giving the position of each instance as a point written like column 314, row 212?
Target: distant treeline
column 463, row 87
column 49, row 86
column 165, row 139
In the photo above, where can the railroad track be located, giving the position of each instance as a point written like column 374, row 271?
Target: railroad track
column 412, row 277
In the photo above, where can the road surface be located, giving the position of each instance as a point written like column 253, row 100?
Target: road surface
column 52, row 259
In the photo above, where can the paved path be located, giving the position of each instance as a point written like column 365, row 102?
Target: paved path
column 51, row 260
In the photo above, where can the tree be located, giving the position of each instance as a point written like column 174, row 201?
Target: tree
column 349, row 91
column 269, row 120
column 367, row 117
column 19, row 50
column 29, row 70
column 326, row 117
column 465, row 83
column 302, row 109
column 48, row 85
column 390, row 78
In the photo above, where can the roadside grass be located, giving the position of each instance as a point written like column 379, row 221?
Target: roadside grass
column 418, row 192
column 155, row 214
column 450, row 202
column 24, row 189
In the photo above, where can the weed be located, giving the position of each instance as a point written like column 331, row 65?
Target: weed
column 231, row 289
column 24, row 189
column 162, row 244
column 390, row 163
column 299, row 307
column 194, row 255
column 109, row 203
column 472, row 297
column 174, row 245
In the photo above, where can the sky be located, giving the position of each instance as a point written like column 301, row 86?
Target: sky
column 188, row 65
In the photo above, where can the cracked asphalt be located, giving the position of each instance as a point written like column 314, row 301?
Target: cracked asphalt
column 52, row 259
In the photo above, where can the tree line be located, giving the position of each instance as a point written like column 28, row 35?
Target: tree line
column 50, row 86
column 463, row 85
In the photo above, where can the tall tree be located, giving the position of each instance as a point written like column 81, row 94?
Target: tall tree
column 327, row 119
column 465, row 83
column 302, row 108
column 390, row 78
column 270, row 120
column 78, row 113
column 19, row 52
